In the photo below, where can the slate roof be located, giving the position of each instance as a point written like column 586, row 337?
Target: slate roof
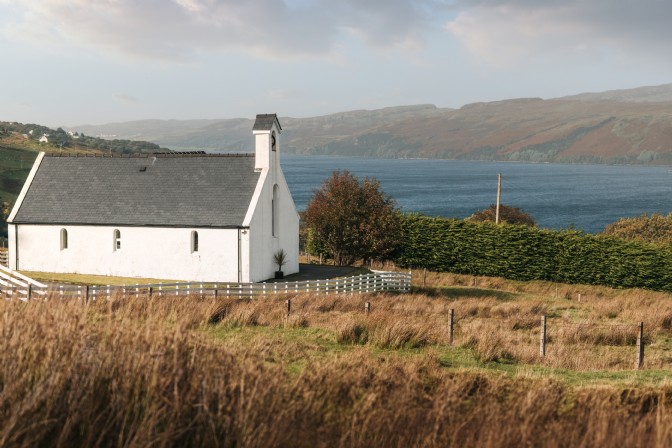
column 264, row 122
column 161, row 190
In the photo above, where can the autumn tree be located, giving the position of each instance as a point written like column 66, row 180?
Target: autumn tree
column 510, row 215
column 353, row 220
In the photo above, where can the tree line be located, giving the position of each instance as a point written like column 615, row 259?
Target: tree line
column 349, row 220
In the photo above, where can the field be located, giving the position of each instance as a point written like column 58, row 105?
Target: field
column 203, row 372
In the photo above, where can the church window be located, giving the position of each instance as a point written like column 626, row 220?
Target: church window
column 117, row 240
column 275, row 207
column 194, row 241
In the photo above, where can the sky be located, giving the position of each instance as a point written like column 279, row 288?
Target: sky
column 74, row 62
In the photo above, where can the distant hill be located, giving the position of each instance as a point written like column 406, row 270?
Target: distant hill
column 624, row 126
column 652, row 94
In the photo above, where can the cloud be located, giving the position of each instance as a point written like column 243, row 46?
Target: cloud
column 506, row 32
column 126, row 99
column 178, row 29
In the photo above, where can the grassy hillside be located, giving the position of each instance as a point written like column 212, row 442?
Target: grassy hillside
column 19, row 146
column 14, row 167
column 193, row 371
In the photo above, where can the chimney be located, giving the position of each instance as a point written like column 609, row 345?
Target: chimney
column 266, row 131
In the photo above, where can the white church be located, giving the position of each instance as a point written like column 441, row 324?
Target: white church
column 189, row 216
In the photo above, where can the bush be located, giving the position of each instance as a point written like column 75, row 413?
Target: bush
column 511, row 215
column 655, row 229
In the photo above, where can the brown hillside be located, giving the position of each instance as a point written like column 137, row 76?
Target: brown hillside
column 543, row 131
column 623, row 126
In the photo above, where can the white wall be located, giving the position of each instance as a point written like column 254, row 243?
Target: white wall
column 262, row 244
column 162, row 253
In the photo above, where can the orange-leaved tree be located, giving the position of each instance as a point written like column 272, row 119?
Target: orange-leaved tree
column 353, row 220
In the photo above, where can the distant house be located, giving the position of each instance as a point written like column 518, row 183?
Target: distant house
column 44, row 138
column 190, row 216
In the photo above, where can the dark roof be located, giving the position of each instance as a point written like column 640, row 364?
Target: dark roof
column 161, row 190
column 264, row 122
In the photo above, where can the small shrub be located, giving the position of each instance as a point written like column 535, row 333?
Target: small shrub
column 352, row 332
column 399, row 334
column 242, row 316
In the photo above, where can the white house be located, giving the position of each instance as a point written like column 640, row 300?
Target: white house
column 44, row 138
column 188, row 216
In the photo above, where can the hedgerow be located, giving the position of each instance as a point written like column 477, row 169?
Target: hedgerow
column 522, row 253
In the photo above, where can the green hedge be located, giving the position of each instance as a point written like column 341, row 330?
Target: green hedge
column 524, row 253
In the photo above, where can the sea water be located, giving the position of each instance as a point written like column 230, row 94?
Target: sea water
column 586, row 197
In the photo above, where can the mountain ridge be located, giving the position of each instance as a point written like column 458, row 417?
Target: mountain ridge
column 618, row 126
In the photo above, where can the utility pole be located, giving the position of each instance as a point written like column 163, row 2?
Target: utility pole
column 499, row 194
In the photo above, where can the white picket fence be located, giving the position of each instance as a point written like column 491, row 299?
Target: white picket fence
column 14, row 285
column 377, row 281
column 4, row 257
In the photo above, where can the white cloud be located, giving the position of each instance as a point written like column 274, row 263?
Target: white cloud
column 177, row 29
column 508, row 32
column 126, row 99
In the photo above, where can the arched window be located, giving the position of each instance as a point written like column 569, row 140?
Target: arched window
column 117, row 240
column 275, row 207
column 194, row 241
column 64, row 239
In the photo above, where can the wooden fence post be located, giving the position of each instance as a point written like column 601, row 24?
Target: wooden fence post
column 542, row 337
column 29, row 292
column 639, row 363
column 151, row 291
column 289, row 306
column 451, row 322
column 86, row 294
column 367, row 307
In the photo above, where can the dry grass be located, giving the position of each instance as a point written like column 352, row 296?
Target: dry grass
column 189, row 371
